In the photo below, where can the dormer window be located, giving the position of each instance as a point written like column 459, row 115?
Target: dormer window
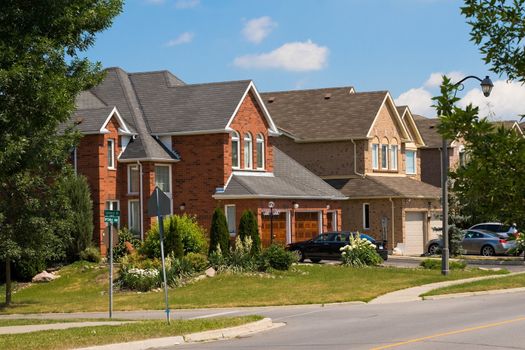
column 235, row 150
column 260, row 151
column 248, row 158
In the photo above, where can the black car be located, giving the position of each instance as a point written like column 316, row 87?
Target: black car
column 327, row 246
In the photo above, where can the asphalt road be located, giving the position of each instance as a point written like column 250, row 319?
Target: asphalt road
column 481, row 322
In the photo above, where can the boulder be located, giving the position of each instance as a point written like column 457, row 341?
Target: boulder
column 210, row 272
column 44, row 276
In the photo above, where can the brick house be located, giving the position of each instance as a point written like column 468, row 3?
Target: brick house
column 205, row 145
column 366, row 147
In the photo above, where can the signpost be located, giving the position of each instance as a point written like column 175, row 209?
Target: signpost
column 159, row 205
column 111, row 217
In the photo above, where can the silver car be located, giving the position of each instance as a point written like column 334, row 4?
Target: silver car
column 477, row 242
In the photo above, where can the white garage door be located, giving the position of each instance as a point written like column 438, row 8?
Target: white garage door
column 414, row 233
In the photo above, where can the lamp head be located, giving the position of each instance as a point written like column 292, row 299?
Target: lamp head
column 486, row 86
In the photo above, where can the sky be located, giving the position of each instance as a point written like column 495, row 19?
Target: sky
column 403, row 46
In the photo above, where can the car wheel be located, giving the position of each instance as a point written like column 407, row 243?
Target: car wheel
column 433, row 249
column 487, row 251
column 300, row 255
column 315, row 260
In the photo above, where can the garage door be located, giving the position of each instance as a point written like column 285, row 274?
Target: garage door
column 279, row 228
column 414, row 233
column 306, row 225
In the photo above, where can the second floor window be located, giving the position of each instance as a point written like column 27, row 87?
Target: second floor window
column 384, row 156
column 260, row 151
column 133, row 179
column 411, row 162
column 235, row 150
column 248, row 158
column 162, row 178
column 375, row 156
column 393, row 157
column 111, row 153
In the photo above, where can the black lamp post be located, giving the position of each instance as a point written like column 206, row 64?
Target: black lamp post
column 486, row 88
column 271, row 205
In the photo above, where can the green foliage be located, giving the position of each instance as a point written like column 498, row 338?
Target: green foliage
column 125, row 235
column 90, row 254
column 276, row 257
column 498, row 27
column 219, row 235
column 197, row 261
column 360, row 252
column 434, row 264
column 487, row 188
column 248, row 227
column 188, row 230
column 142, row 280
column 238, row 259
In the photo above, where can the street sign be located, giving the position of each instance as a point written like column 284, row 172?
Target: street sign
column 159, row 203
column 111, row 216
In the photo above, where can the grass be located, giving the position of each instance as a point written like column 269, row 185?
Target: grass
column 99, row 335
column 34, row 321
column 516, row 281
column 84, row 288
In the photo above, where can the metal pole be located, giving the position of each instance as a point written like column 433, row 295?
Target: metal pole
column 271, row 226
column 161, row 234
column 444, row 205
column 110, row 271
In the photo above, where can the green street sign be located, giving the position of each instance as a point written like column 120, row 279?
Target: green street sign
column 111, row 216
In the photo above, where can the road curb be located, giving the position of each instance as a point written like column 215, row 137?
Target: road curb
column 217, row 334
column 471, row 294
column 472, row 261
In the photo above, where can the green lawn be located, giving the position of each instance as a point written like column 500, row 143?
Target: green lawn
column 90, row 336
column 81, row 289
column 517, row 281
column 34, row 321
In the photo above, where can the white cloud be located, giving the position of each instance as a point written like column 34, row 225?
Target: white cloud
column 184, row 38
column 186, row 4
column 436, row 79
column 419, row 100
column 155, row 2
column 255, row 30
column 294, row 56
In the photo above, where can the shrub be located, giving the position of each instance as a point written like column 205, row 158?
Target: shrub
column 90, row 254
column 238, row 259
column 176, row 270
column 192, row 234
column 173, row 240
column 435, row 264
column 26, row 269
column 360, row 252
column 219, row 235
column 276, row 257
column 198, row 261
column 248, row 228
column 139, row 279
column 125, row 235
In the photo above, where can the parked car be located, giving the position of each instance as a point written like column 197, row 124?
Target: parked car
column 477, row 242
column 327, row 246
column 495, row 227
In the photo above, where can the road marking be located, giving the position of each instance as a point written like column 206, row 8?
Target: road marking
column 213, row 315
column 470, row 329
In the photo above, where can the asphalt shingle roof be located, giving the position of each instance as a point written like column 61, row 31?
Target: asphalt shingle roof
column 320, row 114
column 428, row 128
column 385, row 186
column 290, row 180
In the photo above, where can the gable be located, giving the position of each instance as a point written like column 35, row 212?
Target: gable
column 388, row 124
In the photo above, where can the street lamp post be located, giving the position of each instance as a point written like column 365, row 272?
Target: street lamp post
column 271, row 205
column 486, row 88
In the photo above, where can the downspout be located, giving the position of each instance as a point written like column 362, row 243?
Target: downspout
column 355, row 159
column 141, row 202
column 75, row 160
column 393, row 222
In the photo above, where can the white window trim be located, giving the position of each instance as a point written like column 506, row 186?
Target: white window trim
column 384, row 154
column 364, row 216
column 112, row 165
column 169, row 194
column 334, row 219
column 234, row 233
column 415, row 162
column 129, row 178
column 257, row 142
column 235, row 137
column 393, row 165
column 248, row 137
column 129, row 213
column 375, row 157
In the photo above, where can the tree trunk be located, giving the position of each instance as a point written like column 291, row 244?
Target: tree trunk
column 7, row 282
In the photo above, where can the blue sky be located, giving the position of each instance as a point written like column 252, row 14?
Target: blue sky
column 398, row 45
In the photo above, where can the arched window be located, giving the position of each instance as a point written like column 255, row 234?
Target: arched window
column 260, row 151
column 375, row 154
column 384, row 154
column 235, row 150
column 394, row 148
column 248, row 157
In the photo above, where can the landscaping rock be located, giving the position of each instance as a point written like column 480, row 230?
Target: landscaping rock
column 210, row 272
column 44, row 276
column 200, row 277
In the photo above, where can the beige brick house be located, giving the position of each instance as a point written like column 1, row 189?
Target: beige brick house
column 369, row 149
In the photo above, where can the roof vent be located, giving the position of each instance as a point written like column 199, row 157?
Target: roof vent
column 79, row 120
column 327, row 96
column 271, row 99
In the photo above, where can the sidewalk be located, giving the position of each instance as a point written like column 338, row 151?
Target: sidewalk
column 55, row 326
column 413, row 294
